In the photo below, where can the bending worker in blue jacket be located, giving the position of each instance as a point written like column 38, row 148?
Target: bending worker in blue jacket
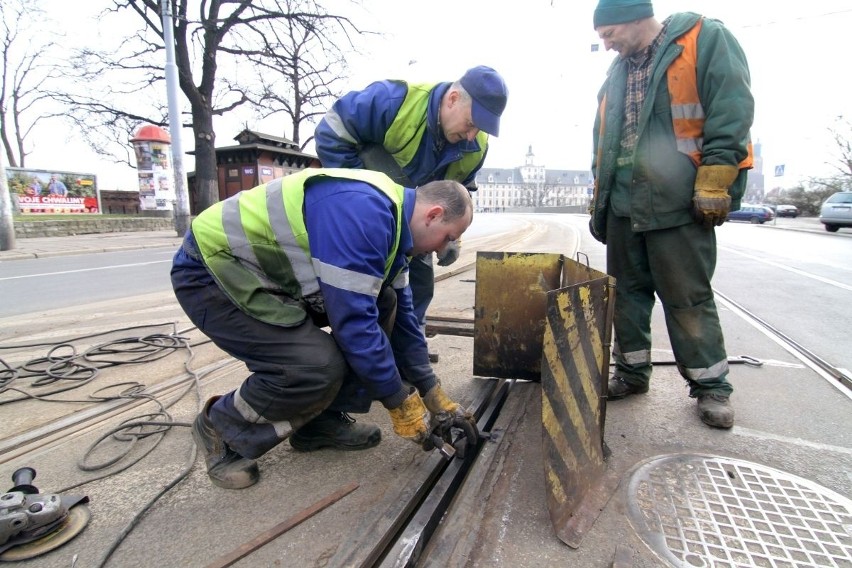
column 672, row 151
column 416, row 134
column 263, row 272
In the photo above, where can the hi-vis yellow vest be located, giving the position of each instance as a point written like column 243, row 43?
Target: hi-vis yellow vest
column 687, row 112
column 255, row 243
column 408, row 127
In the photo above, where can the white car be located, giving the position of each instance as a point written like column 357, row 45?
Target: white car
column 836, row 211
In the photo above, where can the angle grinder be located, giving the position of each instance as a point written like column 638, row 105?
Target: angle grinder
column 33, row 523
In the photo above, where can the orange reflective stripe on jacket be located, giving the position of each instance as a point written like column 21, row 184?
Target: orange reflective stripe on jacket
column 687, row 112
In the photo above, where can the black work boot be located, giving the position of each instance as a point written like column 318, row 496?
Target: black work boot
column 225, row 467
column 618, row 388
column 335, row 430
column 715, row 410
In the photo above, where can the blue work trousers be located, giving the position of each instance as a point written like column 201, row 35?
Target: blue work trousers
column 296, row 372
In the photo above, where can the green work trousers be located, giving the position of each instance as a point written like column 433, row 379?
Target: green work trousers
column 678, row 264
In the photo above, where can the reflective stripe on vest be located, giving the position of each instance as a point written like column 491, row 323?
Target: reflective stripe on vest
column 687, row 111
column 256, row 245
column 409, row 126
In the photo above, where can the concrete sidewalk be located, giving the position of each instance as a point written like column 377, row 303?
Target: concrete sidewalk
column 43, row 247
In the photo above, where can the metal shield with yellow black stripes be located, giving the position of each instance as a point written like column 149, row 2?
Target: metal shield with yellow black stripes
column 574, row 374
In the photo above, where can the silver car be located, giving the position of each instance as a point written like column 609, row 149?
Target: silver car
column 836, row 211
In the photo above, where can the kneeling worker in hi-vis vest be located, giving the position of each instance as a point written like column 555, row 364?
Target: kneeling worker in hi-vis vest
column 265, row 271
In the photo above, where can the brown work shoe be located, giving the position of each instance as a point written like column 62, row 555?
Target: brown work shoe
column 715, row 410
column 225, row 467
column 335, row 430
column 618, row 388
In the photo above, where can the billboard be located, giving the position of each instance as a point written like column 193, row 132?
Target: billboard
column 48, row 191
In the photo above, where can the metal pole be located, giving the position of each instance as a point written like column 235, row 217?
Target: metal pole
column 172, row 85
column 7, row 219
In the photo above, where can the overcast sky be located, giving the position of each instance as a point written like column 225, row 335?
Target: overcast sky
column 797, row 51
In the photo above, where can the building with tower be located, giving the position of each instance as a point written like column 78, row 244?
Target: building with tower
column 533, row 186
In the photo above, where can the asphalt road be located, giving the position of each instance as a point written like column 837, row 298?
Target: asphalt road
column 37, row 284
column 788, row 418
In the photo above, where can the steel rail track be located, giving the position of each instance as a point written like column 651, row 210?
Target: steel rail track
column 834, row 375
column 406, row 549
column 409, row 544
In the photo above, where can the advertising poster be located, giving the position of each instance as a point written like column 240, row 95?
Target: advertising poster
column 51, row 192
column 147, row 199
column 156, row 178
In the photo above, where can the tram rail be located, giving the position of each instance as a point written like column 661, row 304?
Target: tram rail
column 835, row 375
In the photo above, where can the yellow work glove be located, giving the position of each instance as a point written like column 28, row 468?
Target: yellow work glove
column 443, row 407
column 438, row 403
column 711, row 202
column 411, row 419
column 450, row 253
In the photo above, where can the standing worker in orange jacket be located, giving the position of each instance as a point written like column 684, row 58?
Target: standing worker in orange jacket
column 671, row 151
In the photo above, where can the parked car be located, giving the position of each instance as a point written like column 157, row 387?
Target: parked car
column 786, row 211
column 752, row 213
column 836, row 211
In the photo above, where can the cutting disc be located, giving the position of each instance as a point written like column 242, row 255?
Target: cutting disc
column 72, row 525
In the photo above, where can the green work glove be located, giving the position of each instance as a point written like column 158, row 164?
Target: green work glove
column 711, row 202
column 449, row 254
column 411, row 419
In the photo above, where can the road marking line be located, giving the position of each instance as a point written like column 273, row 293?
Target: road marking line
column 83, row 270
column 748, row 432
column 790, row 269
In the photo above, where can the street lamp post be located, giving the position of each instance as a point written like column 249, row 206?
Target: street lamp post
column 181, row 190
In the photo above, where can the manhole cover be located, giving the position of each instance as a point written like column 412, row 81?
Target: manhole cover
column 709, row 511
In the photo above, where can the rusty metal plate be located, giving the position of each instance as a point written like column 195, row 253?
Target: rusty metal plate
column 574, row 272
column 511, row 298
column 575, row 363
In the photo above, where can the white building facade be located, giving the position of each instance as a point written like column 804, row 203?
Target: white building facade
column 532, row 186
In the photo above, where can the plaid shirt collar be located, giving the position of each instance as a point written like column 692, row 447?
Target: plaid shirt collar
column 638, row 77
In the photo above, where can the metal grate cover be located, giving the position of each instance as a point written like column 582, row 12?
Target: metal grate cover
column 710, row 511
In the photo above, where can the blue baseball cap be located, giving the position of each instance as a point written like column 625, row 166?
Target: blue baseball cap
column 488, row 91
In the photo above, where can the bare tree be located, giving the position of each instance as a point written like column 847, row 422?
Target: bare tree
column 135, row 92
column 299, row 63
column 821, row 187
column 841, row 133
column 809, row 195
column 24, row 72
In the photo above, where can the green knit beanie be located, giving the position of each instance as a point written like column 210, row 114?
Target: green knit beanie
column 612, row 12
